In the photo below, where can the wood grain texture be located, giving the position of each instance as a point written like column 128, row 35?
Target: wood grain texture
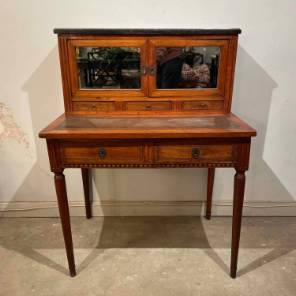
column 65, row 73
column 148, row 106
column 184, row 153
column 94, row 108
column 144, row 153
column 202, row 105
column 113, row 154
column 206, row 126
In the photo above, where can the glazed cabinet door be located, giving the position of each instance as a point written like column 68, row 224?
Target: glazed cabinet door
column 188, row 67
column 107, row 67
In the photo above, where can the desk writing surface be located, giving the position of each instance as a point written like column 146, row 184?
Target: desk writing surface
column 222, row 125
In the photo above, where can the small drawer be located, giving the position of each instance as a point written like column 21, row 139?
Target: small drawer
column 202, row 105
column 102, row 154
column 94, row 107
column 193, row 153
column 148, row 106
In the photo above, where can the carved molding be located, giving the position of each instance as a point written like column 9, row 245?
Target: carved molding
column 151, row 165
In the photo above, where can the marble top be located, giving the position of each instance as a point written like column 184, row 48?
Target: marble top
column 135, row 31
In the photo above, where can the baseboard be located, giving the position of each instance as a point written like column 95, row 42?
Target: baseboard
column 145, row 208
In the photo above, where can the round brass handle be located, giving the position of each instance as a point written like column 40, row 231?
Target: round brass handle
column 203, row 105
column 148, row 107
column 195, row 153
column 102, row 153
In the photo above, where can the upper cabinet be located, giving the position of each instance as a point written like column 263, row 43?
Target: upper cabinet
column 136, row 71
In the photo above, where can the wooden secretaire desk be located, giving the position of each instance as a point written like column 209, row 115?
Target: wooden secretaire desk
column 146, row 99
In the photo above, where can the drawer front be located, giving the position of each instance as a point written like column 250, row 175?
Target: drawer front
column 193, row 153
column 94, row 107
column 102, row 154
column 148, row 106
column 202, row 105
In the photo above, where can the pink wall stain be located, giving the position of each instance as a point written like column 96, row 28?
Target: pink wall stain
column 9, row 129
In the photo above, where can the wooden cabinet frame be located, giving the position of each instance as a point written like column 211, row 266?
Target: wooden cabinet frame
column 148, row 91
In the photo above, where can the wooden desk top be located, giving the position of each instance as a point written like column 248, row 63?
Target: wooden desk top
column 204, row 126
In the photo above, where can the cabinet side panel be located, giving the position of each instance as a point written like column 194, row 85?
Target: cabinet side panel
column 231, row 61
column 65, row 72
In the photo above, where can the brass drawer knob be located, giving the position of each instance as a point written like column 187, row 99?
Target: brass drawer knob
column 102, row 153
column 195, row 153
column 148, row 107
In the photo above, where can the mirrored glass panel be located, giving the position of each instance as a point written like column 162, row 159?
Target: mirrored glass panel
column 187, row 67
column 108, row 67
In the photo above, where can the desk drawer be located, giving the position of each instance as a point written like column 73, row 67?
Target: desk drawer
column 102, row 154
column 148, row 106
column 94, row 107
column 202, row 105
column 193, row 153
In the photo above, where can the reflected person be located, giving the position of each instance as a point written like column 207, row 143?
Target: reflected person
column 169, row 66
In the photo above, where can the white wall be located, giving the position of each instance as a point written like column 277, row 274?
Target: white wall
column 31, row 96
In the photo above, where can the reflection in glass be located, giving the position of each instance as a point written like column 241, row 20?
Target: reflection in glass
column 108, row 67
column 187, row 67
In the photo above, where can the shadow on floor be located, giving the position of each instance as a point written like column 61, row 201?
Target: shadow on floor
column 28, row 235
column 25, row 236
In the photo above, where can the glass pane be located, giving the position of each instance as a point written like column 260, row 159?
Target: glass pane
column 108, row 67
column 187, row 67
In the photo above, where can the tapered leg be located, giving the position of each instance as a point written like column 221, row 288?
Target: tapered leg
column 87, row 191
column 238, row 200
column 61, row 191
column 211, row 176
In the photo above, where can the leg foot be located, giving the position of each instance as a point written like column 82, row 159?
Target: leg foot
column 73, row 273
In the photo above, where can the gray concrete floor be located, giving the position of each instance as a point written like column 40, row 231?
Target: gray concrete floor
column 147, row 256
